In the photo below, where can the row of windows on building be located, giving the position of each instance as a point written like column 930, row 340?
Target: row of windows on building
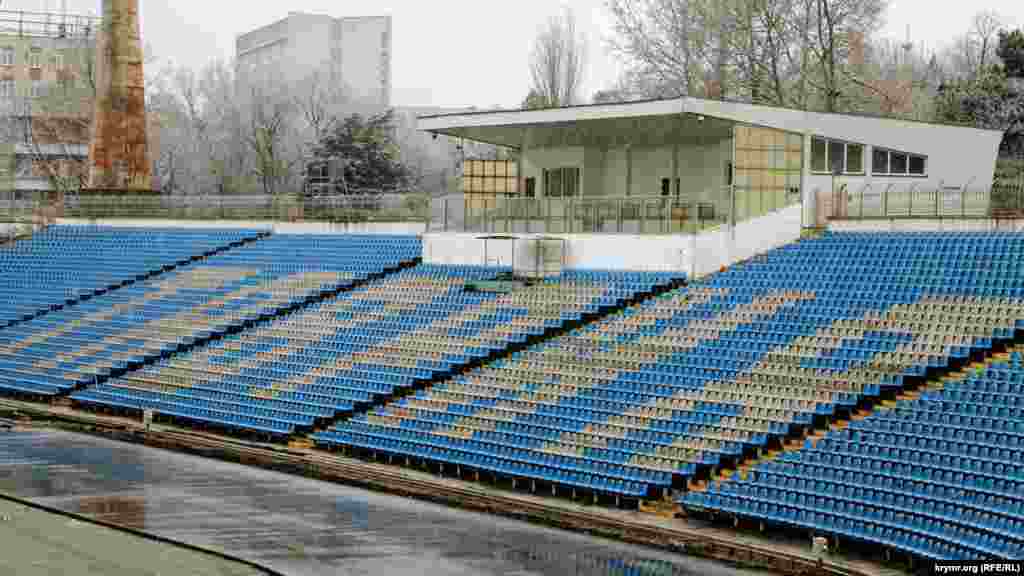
column 842, row 157
column 838, row 157
column 37, row 88
column 35, row 58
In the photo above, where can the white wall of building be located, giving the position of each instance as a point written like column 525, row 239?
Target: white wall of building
column 695, row 255
column 581, row 251
column 728, row 245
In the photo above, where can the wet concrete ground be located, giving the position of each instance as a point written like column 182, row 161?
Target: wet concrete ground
column 300, row 526
column 36, row 542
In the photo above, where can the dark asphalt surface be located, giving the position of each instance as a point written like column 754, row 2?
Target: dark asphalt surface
column 300, row 526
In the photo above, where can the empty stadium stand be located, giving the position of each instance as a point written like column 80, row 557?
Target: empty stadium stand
column 208, row 298
column 359, row 349
column 940, row 475
column 705, row 376
column 616, row 384
column 66, row 264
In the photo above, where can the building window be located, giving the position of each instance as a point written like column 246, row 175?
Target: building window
column 666, row 186
column 561, row 182
column 35, row 58
column 37, row 88
column 879, row 161
column 854, row 159
column 7, row 89
column 58, row 62
column 6, row 56
column 897, row 163
column 531, row 187
column 891, row 163
column 917, row 166
column 819, row 155
column 836, row 157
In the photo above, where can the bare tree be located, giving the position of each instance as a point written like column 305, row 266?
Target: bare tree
column 556, row 64
column 985, row 27
column 661, row 41
column 269, row 117
column 228, row 157
column 319, row 103
column 836, row 22
column 763, row 44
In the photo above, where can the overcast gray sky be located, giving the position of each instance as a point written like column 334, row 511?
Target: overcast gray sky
column 457, row 53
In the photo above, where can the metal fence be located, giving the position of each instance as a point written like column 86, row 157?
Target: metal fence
column 597, row 215
column 24, row 206
column 912, row 202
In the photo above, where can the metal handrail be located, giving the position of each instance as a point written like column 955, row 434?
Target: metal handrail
column 962, row 202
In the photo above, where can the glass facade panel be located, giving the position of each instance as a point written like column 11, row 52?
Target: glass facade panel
column 768, row 167
column 836, row 157
column 854, row 159
column 819, row 155
column 879, row 161
column 897, row 163
column 917, row 165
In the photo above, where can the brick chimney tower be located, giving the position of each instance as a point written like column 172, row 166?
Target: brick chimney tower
column 118, row 152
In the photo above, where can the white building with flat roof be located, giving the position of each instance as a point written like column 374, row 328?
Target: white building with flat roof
column 692, row 185
column 350, row 55
column 736, row 161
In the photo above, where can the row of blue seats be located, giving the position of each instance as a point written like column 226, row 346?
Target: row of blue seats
column 911, row 511
column 482, row 461
column 937, row 542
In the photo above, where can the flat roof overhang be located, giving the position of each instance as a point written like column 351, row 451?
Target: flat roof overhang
column 506, row 127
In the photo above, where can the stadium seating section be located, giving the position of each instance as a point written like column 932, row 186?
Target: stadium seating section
column 638, row 401
column 941, row 476
column 128, row 327
column 358, row 349
column 66, row 263
column 346, row 339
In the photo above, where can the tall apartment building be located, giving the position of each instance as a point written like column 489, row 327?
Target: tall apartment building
column 46, row 97
column 352, row 55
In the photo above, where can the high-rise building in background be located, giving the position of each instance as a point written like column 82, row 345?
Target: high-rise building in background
column 47, row 63
column 351, row 56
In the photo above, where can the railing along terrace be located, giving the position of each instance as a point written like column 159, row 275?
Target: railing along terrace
column 47, row 24
column 574, row 215
column 1001, row 200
